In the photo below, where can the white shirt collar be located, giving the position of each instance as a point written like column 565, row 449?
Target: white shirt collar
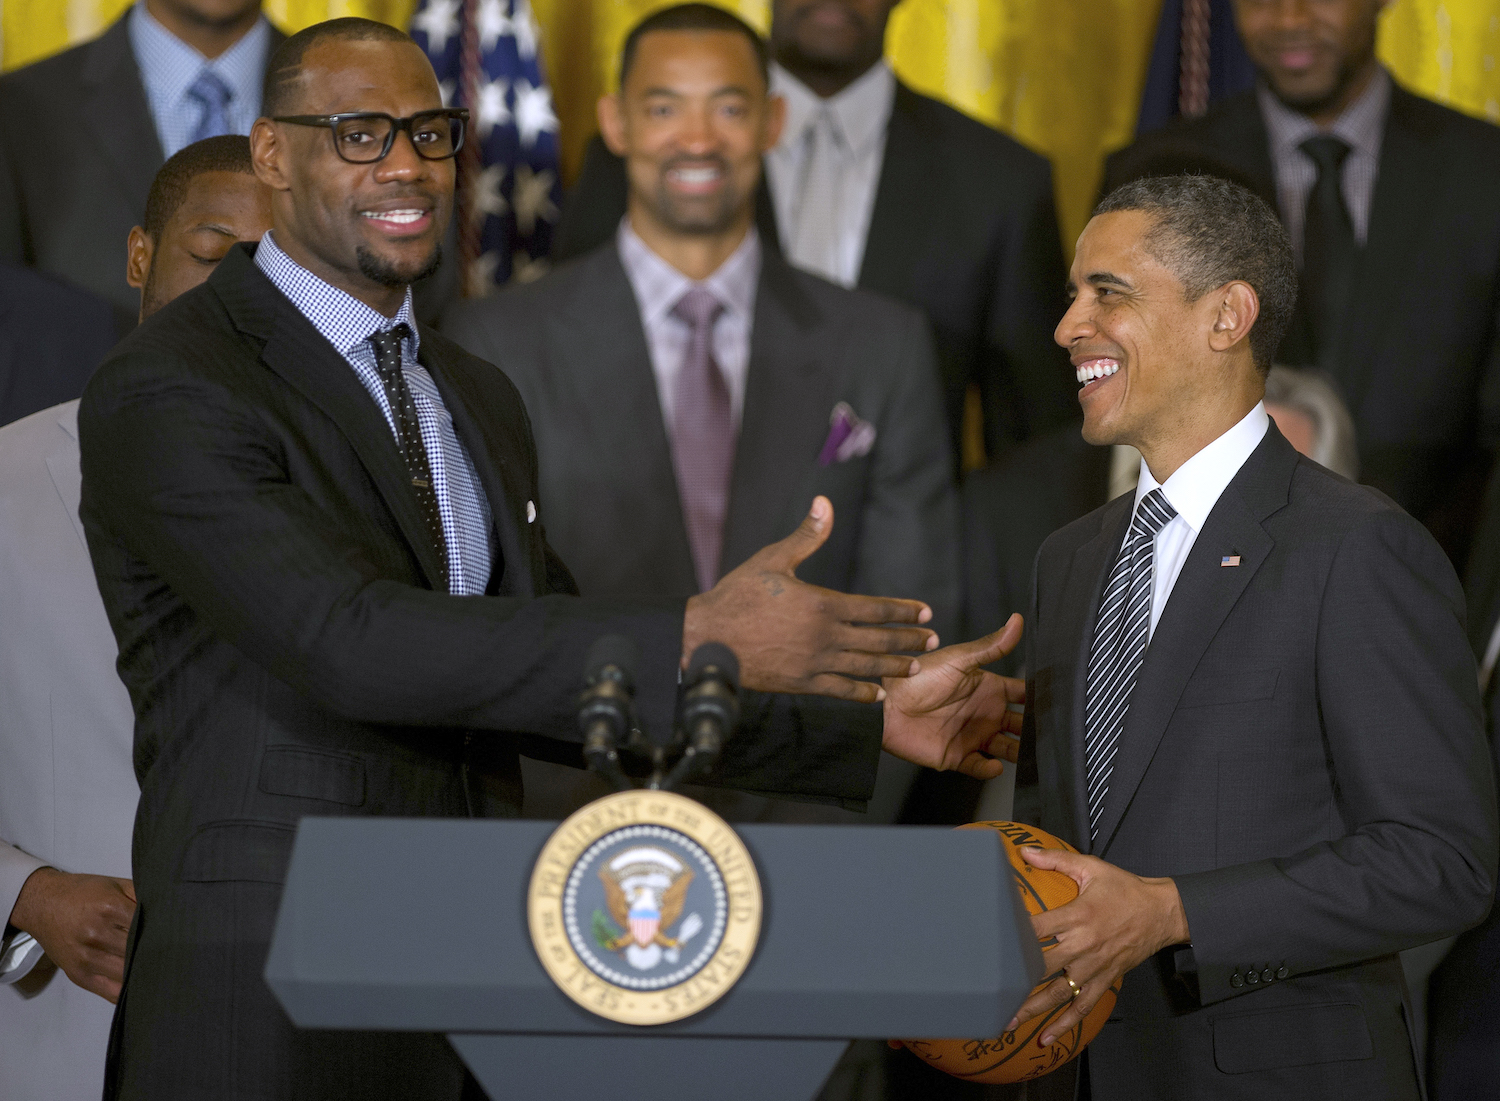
column 862, row 110
column 1196, row 486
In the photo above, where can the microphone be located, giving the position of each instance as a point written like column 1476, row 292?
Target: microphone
column 606, row 710
column 710, row 708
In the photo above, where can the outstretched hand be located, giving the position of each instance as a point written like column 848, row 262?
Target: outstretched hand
column 794, row 637
column 1117, row 921
column 952, row 714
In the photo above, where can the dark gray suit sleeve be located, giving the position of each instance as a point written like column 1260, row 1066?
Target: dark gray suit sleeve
column 1411, row 852
column 909, row 532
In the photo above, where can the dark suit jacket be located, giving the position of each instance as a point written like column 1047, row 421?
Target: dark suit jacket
column 52, row 336
column 964, row 229
column 78, row 152
column 1463, row 1045
column 574, row 346
column 1256, row 768
column 266, row 570
column 1422, row 373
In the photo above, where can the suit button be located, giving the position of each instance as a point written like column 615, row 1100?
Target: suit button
column 1282, row 972
column 1252, row 977
column 1235, row 980
column 1267, row 975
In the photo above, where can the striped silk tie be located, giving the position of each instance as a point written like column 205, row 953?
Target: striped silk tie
column 1120, row 639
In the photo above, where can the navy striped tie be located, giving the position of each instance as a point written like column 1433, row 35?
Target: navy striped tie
column 1120, row 639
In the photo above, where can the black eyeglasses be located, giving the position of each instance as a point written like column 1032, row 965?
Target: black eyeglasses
column 364, row 137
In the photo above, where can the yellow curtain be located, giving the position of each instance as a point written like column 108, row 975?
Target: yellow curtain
column 1063, row 76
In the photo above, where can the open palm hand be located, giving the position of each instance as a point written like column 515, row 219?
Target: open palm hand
column 952, row 714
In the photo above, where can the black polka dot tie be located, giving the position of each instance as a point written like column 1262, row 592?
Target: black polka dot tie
column 387, row 347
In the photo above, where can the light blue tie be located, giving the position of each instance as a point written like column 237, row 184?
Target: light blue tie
column 211, row 91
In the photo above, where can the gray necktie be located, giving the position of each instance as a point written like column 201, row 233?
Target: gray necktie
column 214, row 95
column 815, row 244
column 1120, row 638
column 703, row 436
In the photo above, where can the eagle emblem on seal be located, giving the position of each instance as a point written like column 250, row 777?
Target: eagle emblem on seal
column 645, row 889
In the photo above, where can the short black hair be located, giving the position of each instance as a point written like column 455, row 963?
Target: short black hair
column 226, row 153
column 694, row 17
column 284, row 70
column 1210, row 231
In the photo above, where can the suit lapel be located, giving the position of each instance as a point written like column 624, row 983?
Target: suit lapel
column 502, row 472
column 600, row 340
column 1202, row 598
column 785, row 417
column 118, row 117
column 298, row 353
column 1082, row 589
column 900, row 222
column 1409, row 180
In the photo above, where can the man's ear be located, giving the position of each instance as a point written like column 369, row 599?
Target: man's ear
column 611, row 114
column 266, row 152
column 138, row 252
column 1236, row 308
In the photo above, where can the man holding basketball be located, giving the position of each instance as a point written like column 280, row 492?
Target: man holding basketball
column 1251, row 702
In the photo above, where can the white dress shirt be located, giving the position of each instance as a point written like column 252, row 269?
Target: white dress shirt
column 860, row 113
column 1193, row 490
column 659, row 286
column 168, row 67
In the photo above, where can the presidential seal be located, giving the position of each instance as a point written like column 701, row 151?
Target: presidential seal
column 644, row 907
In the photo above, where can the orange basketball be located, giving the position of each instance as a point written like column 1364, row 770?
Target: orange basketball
column 1017, row 1056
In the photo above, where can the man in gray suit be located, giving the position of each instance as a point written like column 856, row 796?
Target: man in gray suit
column 1223, row 667
column 676, row 443
column 67, row 786
column 83, row 133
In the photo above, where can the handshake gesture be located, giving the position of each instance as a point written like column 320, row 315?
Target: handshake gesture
column 941, row 709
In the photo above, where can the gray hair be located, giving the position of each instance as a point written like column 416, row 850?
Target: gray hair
column 1209, row 232
column 1310, row 393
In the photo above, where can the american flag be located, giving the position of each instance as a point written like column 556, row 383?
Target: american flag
column 486, row 56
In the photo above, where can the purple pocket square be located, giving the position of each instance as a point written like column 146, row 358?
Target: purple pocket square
column 848, row 437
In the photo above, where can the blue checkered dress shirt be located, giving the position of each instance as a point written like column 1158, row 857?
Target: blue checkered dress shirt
column 347, row 324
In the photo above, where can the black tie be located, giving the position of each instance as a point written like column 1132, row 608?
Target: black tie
column 409, row 433
column 1329, row 252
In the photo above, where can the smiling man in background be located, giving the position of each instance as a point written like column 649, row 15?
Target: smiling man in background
column 874, row 185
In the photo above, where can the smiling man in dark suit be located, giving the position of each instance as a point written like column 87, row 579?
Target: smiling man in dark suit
column 658, row 490
column 83, row 134
column 1390, row 203
column 876, row 186
column 318, row 535
column 1224, row 665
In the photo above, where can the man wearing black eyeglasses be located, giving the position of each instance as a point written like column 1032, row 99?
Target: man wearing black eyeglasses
column 318, row 537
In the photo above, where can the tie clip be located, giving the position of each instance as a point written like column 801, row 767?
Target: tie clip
column 419, row 483
column 1230, row 560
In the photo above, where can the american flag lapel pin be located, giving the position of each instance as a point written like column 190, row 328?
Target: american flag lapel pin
column 1230, row 560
